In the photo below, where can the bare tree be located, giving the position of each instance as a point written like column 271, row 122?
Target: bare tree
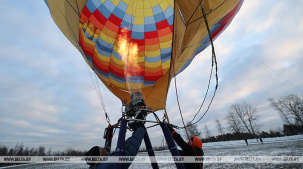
column 251, row 116
column 290, row 108
column 284, row 115
column 243, row 115
column 239, row 110
column 293, row 105
column 234, row 122
column 219, row 127
column 207, row 132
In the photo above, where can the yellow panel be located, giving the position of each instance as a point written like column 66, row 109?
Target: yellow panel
column 103, row 1
column 164, row 5
column 96, row 36
column 153, row 54
column 101, row 57
column 166, row 64
column 147, row 4
column 105, row 79
column 106, row 38
column 116, row 2
column 154, row 3
column 89, row 41
column 120, row 85
column 152, row 65
column 165, row 44
column 138, row 20
column 127, row 1
column 139, row 12
column 140, row 4
column 130, row 10
column 148, row 12
column 90, row 32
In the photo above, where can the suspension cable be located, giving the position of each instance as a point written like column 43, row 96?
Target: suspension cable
column 214, row 62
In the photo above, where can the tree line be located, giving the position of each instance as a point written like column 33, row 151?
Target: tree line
column 243, row 121
column 21, row 150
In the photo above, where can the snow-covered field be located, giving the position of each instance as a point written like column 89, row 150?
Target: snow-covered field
column 281, row 146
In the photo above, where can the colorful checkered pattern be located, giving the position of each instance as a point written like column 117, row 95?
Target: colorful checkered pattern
column 148, row 23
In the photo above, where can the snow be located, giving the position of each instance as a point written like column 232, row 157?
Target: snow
column 278, row 146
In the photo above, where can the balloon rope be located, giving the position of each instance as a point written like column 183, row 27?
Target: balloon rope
column 214, row 62
column 175, row 79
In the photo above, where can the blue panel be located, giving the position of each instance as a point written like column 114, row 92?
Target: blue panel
column 138, row 35
column 123, row 6
column 149, row 20
column 101, row 48
column 157, row 9
column 166, row 50
column 102, row 42
column 116, row 55
column 126, row 25
column 150, row 27
column 153, row 59
column 104, row 11
column 138, row 28
column 187, row 63
column 128, row 18
column 159, row 17
column 118, row 13
column 97, row 3
column 170, row 20
column 91, row 6
column 109, row 5
column 116, row 78
column 149, row 83
column 100, row 73
column 135, row 79
column 165, row 56
column 169, row 12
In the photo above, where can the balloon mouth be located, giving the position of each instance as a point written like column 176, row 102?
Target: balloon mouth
column 137, row 99
column 136, row 111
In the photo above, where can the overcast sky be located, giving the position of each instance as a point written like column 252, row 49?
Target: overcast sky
column 47, row 96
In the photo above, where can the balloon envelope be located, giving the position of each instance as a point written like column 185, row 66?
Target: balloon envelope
column 136, row 45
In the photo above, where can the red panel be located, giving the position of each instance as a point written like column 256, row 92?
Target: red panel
column 164, row 32
column 85, row 14
column 151, row 35
column 161, row 25
column 151, row 41
column 100, row 66
column 152, row 78
column 100, row 17
column 115, row 20
column 116, row 71
column 96, row 22
column 172, row 27
column 139, row 42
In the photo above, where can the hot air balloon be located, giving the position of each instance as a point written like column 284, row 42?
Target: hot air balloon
column 138, row 46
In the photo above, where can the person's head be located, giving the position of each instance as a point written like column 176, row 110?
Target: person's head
column 194, row 141
column 96, row 151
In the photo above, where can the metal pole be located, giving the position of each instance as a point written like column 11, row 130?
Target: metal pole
column 171, row 144
column 120, row 143
column 150, row 121
column 150, row 151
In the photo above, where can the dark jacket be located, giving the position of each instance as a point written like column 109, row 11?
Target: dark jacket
column 132, row 145
column 187, row 150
